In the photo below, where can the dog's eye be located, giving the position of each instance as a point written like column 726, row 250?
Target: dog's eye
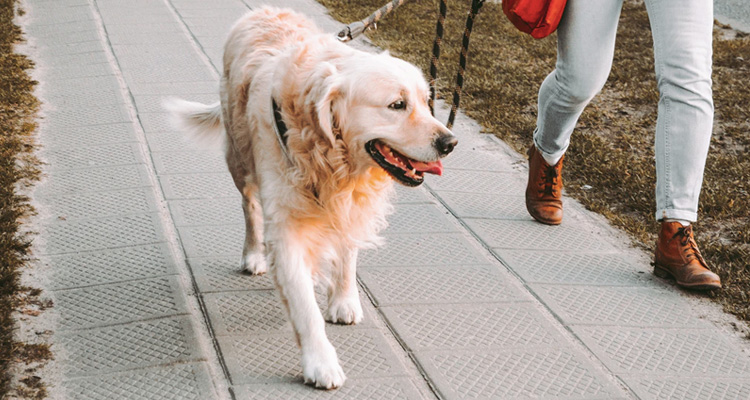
column 397, row 105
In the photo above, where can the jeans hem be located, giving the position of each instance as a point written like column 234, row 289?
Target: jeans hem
column 691, row 216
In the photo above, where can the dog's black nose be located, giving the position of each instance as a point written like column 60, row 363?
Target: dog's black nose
column 445, row 143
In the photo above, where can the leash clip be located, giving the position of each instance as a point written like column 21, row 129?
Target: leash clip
column 351, row 31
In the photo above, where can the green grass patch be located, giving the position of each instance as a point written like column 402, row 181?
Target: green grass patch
column 18, row 169
column 612, row 148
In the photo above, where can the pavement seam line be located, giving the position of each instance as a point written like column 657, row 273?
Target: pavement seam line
column 165, row 217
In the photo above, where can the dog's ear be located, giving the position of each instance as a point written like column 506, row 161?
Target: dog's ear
column 328, row 92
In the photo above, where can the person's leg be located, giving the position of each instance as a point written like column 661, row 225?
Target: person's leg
column 682, row 32
column 585, row 46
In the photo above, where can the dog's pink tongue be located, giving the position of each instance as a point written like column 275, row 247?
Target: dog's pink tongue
column 433, row 167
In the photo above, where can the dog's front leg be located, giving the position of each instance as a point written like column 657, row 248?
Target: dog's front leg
column 293, row 277
column 343, row 296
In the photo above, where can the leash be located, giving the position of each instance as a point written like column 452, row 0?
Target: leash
column 355, row 29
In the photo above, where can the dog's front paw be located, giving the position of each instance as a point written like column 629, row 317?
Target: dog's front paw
column 320, row 367
column 254, row 263
column 345, row 310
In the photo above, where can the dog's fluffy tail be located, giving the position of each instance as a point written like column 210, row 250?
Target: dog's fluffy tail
column 202, row 122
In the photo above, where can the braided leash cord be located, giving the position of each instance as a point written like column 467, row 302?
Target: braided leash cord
column 355, row 29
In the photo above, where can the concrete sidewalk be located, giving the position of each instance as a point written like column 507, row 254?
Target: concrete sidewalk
column 140, row 237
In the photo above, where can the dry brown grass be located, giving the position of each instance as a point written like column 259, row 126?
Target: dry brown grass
column 612, row 148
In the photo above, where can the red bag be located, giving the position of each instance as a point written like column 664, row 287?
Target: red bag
column 538, row 18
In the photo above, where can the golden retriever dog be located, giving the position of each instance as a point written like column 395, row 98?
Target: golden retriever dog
column 349, row 123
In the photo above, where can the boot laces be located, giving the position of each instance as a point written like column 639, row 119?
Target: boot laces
column 549, row 176
column 689, row 246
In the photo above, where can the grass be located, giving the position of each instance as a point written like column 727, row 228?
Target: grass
column 18, row 169
column 609, row 166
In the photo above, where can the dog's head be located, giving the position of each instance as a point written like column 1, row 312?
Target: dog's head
column 377, row 104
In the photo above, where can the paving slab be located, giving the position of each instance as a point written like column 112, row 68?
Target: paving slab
column 140, row 238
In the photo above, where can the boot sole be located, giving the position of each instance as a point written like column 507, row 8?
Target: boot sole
column 663, row 273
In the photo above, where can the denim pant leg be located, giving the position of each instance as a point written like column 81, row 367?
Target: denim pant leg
column 585, row 47
column 682, row 33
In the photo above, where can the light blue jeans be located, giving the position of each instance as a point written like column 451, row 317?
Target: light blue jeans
column 681, row 31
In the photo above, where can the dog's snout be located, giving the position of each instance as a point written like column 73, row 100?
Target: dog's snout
column 445, row 143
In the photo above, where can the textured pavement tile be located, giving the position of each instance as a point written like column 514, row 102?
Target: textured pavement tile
column 531, row 235
column 189, row 161
column 93, row 156
column 420, row 218
column 492, row 206
column 119, row 303
column 210, row 86
column 471, row 326
column 123, row 347
column 498, row 183
column 697, row 352
column 98, row 204
column 222, row 211
column 688, row 388
column 213, row 241
column 109, row 266
column 464, row 283
column 63, row 72
column 155, row 122
column 541, row 373
column 169, row 141
column 198, row 186
column 102, row 233
column 94, row 180
column 177, row 382
column 475, row 158
column 87, row 115
column 423, row 249
column 363, row 353
column 218, row 274
column 360, row 389
column 406, row 195
column 618, row 306
column 571, row 268
column 60, row 138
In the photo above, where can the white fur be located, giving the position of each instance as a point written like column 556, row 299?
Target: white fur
column 311, row 215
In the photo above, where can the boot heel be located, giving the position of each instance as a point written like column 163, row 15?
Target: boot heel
column 661, row 273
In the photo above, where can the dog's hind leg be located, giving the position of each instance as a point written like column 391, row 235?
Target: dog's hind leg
column 343, row 296
column 292, row 273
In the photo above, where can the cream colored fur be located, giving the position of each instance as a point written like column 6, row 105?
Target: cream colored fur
column 306, row 219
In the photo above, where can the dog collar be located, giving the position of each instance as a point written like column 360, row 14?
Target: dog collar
column 280, row 128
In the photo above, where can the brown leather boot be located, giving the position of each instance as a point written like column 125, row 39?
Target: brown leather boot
column 678, row 257
column 544, row 189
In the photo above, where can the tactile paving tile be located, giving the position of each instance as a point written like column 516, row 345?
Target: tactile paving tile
column 189, row 161
column 198, row 186
column 542, row 373
column 466, row 326
column 94, row 180
column 699, row 352
column 54, row 137
column 109, row 266
column 102, row 233
column 423, row 249
column 218, row 274
column 570, row 268
column 99, row 204
column 82, row 89
column 474, row 205
column 409, row 285
column 692, row 388
column 155, row 122
column 175, row 73
column 217, row 240
column 420, row 218
column 498, row 183
column 94, row 156
column 360, row 389
column 221, row 211
column 476, row 159
column 123, row 302
column 88, row 114
column 73, row 47
column 78, row 71
column 122, row 347
column 169, row 141
column 406, row 195
column 363, row 353
column 178, row 382
column 618, row 306
column 531, row 235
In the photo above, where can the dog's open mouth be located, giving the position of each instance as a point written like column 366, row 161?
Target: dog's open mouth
column 408, row 171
